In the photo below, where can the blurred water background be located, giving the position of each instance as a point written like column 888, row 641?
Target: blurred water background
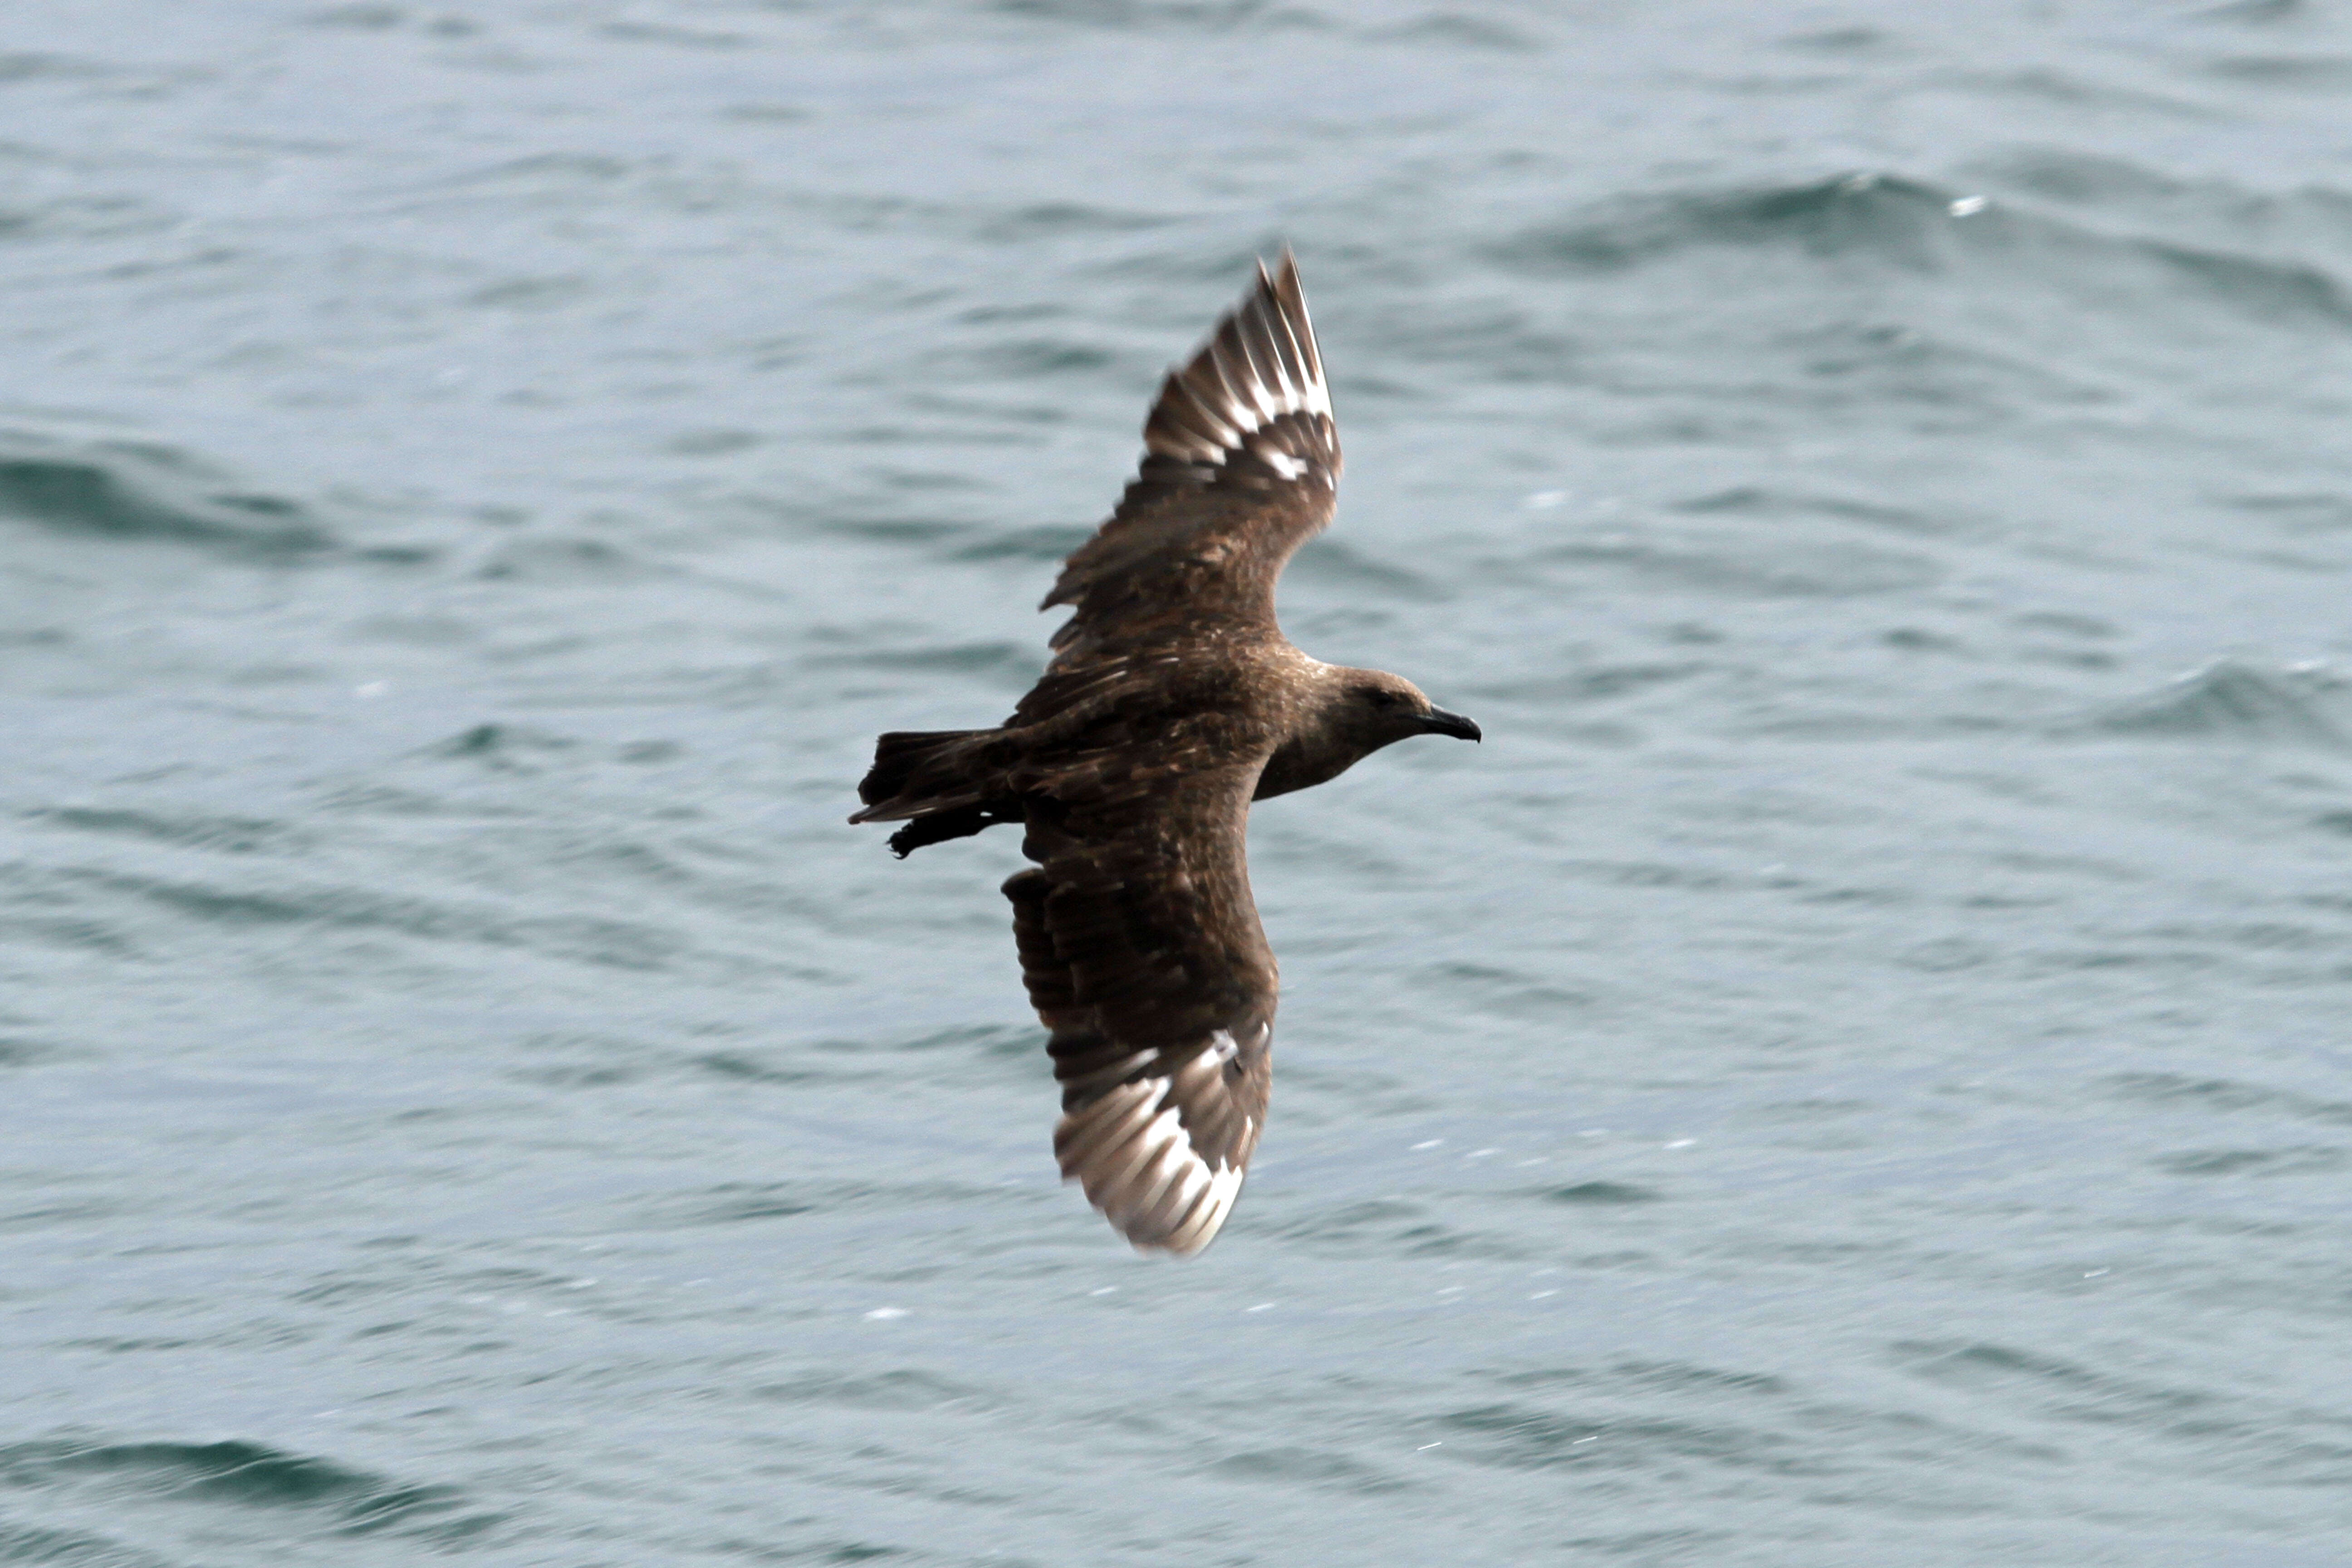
column 1855, row 1070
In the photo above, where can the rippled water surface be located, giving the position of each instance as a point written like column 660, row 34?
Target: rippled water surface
column 1855, row 1070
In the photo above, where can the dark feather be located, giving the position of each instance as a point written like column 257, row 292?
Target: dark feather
column 1142, row 952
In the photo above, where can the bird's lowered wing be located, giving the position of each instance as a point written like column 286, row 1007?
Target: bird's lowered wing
column 1241, row 466
column 1142, row 952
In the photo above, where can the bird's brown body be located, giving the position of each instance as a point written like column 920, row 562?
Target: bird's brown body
column 1172, row 701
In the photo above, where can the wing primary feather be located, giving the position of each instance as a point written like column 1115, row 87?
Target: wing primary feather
column 1293, row 300
column 1264, row 357
column 1209, row 1216
column 1100, row 1126
column 1142, row 1178
column 1169, row 1208
column 1145, row 1188
column 1182, row 405
column 1107, row 1174
column 1229, row 362
column 1285, row 349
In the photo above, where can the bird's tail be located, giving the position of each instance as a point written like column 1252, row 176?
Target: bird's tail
column 932, row 781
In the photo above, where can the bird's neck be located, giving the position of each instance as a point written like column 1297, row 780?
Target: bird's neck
column 1316, row 747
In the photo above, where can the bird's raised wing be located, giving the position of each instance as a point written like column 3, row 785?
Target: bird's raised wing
column 1143, row 954
column 1241, row 466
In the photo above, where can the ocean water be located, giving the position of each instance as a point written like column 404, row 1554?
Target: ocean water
column 1857, row 1070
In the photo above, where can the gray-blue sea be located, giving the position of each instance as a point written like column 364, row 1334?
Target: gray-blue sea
column 1856, row 1070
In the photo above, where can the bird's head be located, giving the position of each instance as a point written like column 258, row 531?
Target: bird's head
column 1383, row 708
column 1346, row 716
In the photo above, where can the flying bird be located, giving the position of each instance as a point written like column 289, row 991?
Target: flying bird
column 1172, row 701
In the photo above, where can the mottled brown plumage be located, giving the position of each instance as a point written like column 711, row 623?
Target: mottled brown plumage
column 1172, row 701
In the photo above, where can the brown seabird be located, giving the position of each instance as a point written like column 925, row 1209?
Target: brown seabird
column 1172, row 701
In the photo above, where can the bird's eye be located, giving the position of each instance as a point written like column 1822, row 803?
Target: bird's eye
column 1383, row 698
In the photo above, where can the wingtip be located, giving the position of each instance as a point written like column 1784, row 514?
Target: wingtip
column 1130, row 1152
column 1282, row 278
column 1188, row 1241
column 1259, row 364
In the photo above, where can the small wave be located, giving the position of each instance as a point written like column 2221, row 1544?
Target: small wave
column 147, row 493
column 1751, row 569
column 17, row 1051
column 2230, row 700
column 895, row 527
column 2230, row 1433
column 562, row 559
column 507, row 747
column 2307, row 73
column 1196, row 16
column 1318, row 1469
column 2083, row 179
column 82, row 217
column 1506, row 343
column 228, row 835
column 28, row 1543
column 247, row 1475
column 1058, row 220
column 1388, row 1227
column 2282, row 290
column 1754, row 500
column 765, row 1068
column 711, row 442
column 1519, row 1438
column 1985, row 1367
column 1600, row 683
column 360, row 17
column 1031, row 359
column 674, row 37
column 1689, row 1377
column 747, row 1203
column 1856, row 363
column 1510, row 993
column 899, row 1390
column 1327, row 560
column 2302, row 1161
column 539, row 168
column 597, row 940
column 2320, row 511
column 27, row 66
column 2044, row 85
column 1851, row 40
column 1043, row 541
column 1882, row 215
column 1603, row 1194
column 1455, row 30
column 1912, row 226
column 839, row 1061
column 550, row 292
column 1013, row 660
column 2255, row 13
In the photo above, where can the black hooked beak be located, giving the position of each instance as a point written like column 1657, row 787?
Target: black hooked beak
column 1438, row 721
